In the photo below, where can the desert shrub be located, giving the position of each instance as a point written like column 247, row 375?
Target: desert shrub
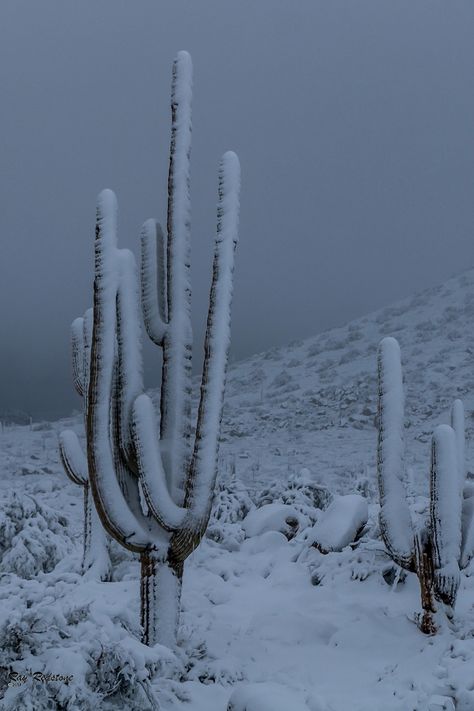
column 299, row 491
column 33, row 537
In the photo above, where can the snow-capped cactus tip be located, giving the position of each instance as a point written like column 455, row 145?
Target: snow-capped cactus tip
column 182, row 82
column 184, row 65
column 229, row 184
column 107, row 214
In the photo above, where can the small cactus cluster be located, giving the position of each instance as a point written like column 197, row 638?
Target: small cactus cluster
column 437, row 550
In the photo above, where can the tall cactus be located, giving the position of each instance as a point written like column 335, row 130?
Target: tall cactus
column 432, row 551
column 95, row 560
column 131, row 457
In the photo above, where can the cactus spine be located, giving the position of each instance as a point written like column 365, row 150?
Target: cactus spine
column 129, row 454
column 433, row 551
column 95, row 559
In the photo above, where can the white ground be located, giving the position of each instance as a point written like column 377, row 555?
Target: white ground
column 251, row 612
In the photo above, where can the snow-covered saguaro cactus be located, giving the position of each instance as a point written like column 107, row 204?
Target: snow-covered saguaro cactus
column 95, row 560
column 152, row 483
column 445, row 510
column 433, row 549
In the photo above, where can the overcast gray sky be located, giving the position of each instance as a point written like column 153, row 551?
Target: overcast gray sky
column 354, row 123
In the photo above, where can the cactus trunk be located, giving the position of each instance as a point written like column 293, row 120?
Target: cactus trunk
column 160, row 593
column 424, row 571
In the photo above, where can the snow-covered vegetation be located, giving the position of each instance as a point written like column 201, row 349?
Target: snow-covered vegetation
column 297, row 505
column 262, row 610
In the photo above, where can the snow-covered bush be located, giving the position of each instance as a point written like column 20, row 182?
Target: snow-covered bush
column 274, row 517
column 231, row 503
column 60, row 627
column 33, row 537
column 437, row 549
column 300, row 491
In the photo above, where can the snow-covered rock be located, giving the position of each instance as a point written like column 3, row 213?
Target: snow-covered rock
column 339, row 525
column 273, row 517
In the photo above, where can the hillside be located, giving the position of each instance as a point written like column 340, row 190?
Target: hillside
column 294, row 406
column 253, row 610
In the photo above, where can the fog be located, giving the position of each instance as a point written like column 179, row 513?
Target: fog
column 353, row 122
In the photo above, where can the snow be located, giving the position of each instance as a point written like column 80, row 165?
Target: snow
column 259, row 610
column 272, row 517
column 339, row 525
column 265, row 697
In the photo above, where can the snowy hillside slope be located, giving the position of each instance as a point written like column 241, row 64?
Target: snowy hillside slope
column 256, row 608
column 296, row 405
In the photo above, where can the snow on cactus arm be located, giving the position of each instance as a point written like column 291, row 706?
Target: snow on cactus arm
column 467, row 530
column 203, row 469
column 150, row 466
column 340, row 523
column 445, row 513
column 111, row 505
column 395, row 518
column 88, row 321
column 153, row 281
column 73, row 458
column 177, row 347
column 77, row 344
column 458, row 425
column 130, row 378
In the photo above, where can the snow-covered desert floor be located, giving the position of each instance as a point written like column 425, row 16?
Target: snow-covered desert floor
column 306, row 630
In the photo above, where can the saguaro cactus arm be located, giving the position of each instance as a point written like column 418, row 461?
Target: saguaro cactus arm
column 395, row 519
column 203, row 470
column 153, row 281
column 150, row 465
column 73, row 458
column 177, row 348
column 459, row 427
column 77, row 341
column 111, row 504
column 190, row 522
column 467, row 546
column 129, row 355
column 445, row 513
